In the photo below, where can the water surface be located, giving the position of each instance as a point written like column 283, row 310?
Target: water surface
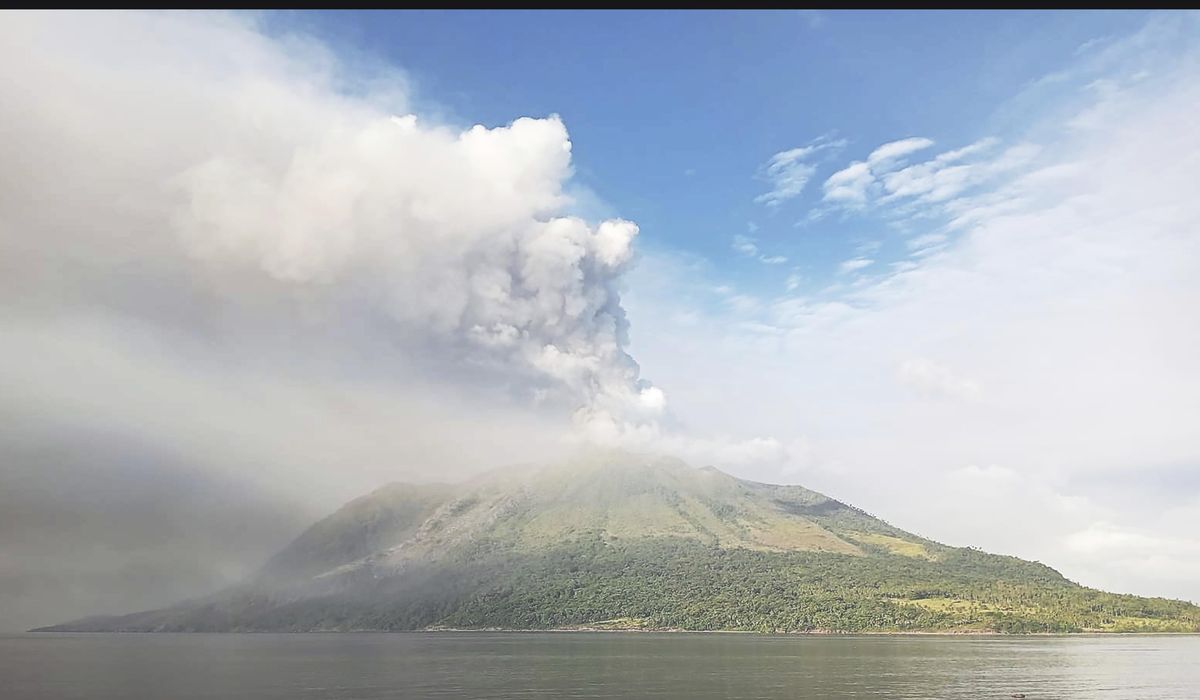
column 595, row 665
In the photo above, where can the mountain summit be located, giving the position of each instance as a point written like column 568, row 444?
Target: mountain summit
column 623, row 541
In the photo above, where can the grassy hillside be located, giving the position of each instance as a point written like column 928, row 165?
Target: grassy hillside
column 628, row 542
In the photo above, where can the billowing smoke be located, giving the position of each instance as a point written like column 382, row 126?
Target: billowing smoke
column 196, row 152
column 243, row 266
column 456, row 238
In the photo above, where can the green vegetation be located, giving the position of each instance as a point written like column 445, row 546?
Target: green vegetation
column 677, row 584
column 892, row 545
column 621, row 542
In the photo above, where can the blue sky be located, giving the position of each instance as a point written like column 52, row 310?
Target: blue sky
column 672, row 116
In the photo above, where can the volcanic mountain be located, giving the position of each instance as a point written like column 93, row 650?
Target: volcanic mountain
column 623, row 541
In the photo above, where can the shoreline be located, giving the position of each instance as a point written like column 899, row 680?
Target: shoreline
column 807, row 633
column 662, row 631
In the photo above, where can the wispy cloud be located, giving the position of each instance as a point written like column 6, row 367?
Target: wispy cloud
column 851, row 186
column 926, row 241
column 947, row 176
column 814, row 215
column 942, row 186
column 748, row 246
column 854, row 265
column 789, row 171
column 745, row 245
column 894, row 150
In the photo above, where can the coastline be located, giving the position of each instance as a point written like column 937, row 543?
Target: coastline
column 783, row 633
column 603, row 630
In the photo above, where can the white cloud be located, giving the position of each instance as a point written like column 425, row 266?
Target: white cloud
column 789, row 171
column 745, row 245
column 937, row 186
column 812, row 216
column 850, row 184
column 1109, row 540
column 926, row 241
column 748, row 246
column 744, row 303
column 854, row 265
column 946, row 177
column 1167, row 559
column 1055, row 331
column 991, row 476
column 972, row 149
column 931, row 379
column 888, row 153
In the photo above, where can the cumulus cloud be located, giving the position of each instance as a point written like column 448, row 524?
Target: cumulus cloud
column 789, row 171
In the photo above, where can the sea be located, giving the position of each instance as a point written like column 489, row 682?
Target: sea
column 597, row 665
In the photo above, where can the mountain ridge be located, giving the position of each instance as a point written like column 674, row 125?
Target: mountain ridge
column 627, row 541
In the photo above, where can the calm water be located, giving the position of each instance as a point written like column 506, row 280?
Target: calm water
column 582, row 665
